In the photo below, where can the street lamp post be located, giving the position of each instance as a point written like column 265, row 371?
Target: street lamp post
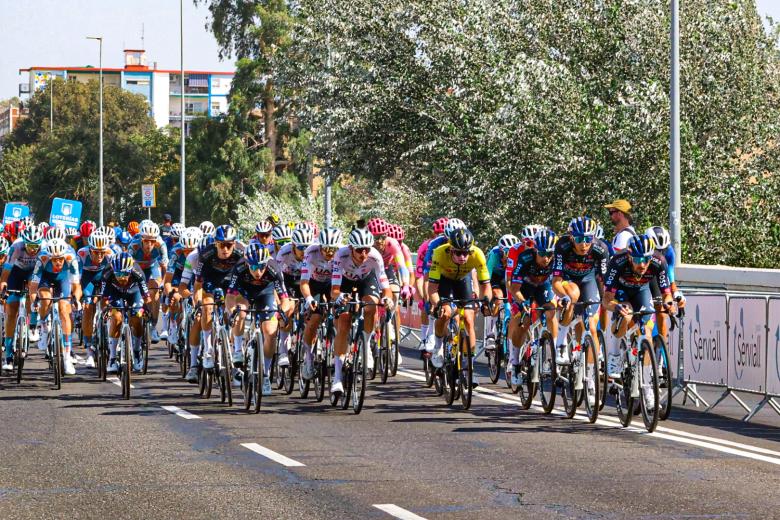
column 674, row 137
column 183, row 164
column 100, row 41
column 51, row 103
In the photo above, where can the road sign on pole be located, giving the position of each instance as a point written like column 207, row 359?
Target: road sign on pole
column 148, row 199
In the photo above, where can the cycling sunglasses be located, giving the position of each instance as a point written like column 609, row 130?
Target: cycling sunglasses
column 301, row 248
column 545, row 254
column 329, row 250
column 583, row 240
column 362, row 249
column 462, row 253
column 641, row 259
column 258, row 267
column 225, row 244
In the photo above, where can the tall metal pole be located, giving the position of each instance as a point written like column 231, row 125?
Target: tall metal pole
column 51, row 103
column 183, row 164
column 328, row 176
column 100, row 41
column 674, row 145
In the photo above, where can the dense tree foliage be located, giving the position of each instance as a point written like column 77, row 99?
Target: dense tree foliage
column 510, row 111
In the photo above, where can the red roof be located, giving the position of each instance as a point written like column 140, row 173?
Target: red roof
column 107, row 69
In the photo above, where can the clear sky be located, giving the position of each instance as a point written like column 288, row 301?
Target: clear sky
column 52, row 33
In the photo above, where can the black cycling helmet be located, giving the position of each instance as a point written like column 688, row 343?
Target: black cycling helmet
column 462, row 239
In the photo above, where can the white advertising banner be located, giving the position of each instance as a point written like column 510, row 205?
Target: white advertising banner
column 747, row 344
column 773, row 355
column 705, row 339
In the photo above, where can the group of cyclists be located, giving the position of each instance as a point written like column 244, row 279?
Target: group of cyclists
column 284, row 268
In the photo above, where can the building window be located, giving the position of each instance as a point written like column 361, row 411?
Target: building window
column 137, row 81
column 215, row 106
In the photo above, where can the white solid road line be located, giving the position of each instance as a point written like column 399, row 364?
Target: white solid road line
column 702, row 441
column 270, row 454
column 398, row 512
column 117, row 382
column 184, row 414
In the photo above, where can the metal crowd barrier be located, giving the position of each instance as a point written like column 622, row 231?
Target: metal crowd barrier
column 728, row 341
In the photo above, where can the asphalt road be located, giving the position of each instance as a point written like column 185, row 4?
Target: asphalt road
column 85, row 453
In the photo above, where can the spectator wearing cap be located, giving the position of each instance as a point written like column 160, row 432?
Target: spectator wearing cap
column 165, row 230
column 620, row 215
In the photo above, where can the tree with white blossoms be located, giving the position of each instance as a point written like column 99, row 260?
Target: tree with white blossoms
column 505, row 112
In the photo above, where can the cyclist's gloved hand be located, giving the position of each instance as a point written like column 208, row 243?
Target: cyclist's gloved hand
column 406, row 292
column 525, row 306
column 565, row 301
column 388, row 303
column 485, row 307
column 340, row 300
column 310, row 304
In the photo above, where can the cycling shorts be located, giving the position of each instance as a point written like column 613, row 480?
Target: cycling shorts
column 457, row 289
column 59, row 283
column 589, row 292
column 368, row 286
column 639, row 299
column 17, row 280
column 538, row 294
column 153, row 272
column 293, row 285
column 261, row 298
column 129, row 298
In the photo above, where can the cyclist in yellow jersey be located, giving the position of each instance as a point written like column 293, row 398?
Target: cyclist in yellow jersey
column 450, row 277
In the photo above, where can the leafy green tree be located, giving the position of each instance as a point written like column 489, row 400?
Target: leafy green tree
column 509, row 111
column 65, row 163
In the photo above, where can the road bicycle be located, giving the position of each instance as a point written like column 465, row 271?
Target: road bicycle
column 581, row 376
column 536, row 368
column 21, row 338
column 124, row 347
column 456, row 376
column 637, row 352
column 498, row 356
column 223, row 362
column 355, row 366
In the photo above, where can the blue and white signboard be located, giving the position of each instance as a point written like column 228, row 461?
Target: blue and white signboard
column 66, row 213
column 15, row 211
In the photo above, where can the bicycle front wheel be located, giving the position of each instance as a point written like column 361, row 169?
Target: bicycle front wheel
column 591, row 379
column 359, row 373
column 466, row 372
column 225, row 368
column 648, row 384
column 384, row 353
column 624, row 402
column 393, row 346
column 147, row 339
column 57, row 356
column 125, row 361
column 665, row 379
column 548, row 373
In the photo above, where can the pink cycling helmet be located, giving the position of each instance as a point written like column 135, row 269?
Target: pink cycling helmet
column 377, row 226
column 438, row 226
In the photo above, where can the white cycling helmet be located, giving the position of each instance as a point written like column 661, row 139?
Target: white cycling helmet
column 361, row 237
column 71, row 231
column 507, row 241
column 57, row 248
column 530, row 231
column 330, row 237
column 281, row 232
column 99, row 240
column 56, row 232
column 190, row 238
column 4, row 246
column 207, row 228
column 452, row 226
column 302, row 237
column 108, row 231
column 264, row 226
column 177, row 229
column 149, row 229
column 196, row 231
column 32, row 235
column 660, row 236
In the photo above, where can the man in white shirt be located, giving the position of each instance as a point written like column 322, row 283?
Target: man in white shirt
column 620, row 215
